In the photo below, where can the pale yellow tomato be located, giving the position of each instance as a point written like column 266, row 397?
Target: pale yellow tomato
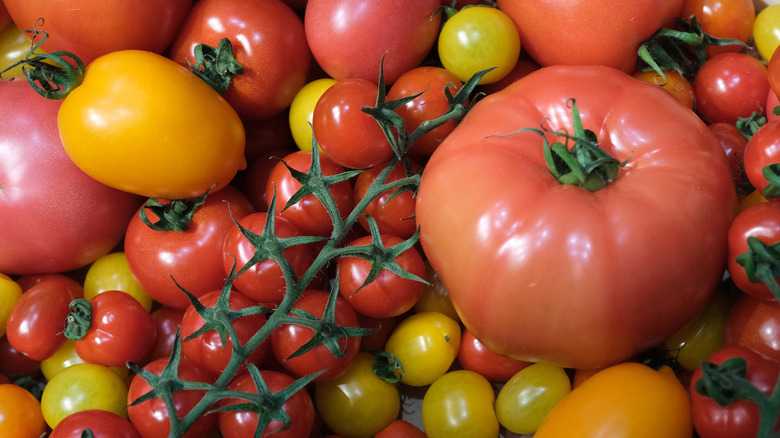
column 111, row 272
column 302, row 108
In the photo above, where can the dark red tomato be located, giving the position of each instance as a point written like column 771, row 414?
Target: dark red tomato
column 192, row 258
column 268, row 135
column 101, row 423
column 729, row 86
column 168, row 322
column 308, row 213
column 36, row 322
column 401, row 429
column 122, row 330
column 404, row 32
column 113, row 25
column 255, row 178
column 431, row 82
column 723, row 19
column 150, row 417
column 762, row 150
column 382, row 327
column 734, row 144
column 755, row 324
column 55, row 223
column 4, row 379
column 349, row 136
column 268, row 41
column 740, row 418
column 286, row 339
column 763, row 222
column 5, row 19
column 264, row 281
column 207, row 349
column 474, row 356
column 13, row 361
column 521, row 69
column 393, row 212
column 242, row 424
column 388, row 295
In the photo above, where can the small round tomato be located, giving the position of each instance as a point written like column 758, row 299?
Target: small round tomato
column 392, row 211
column 358, row 403
column 529, row 396
column 112, row 272
column 10, row 292
column 760, row 221
column 172, row 137
column 755, row 324
column 460, row 403
column 729, row 86
column 255, row 178
column 168, row 322
column 734, row 144
column 478, row 38
column 20, row 413
column 474, row 356
column 401, row 429
column 732, row 19
column 302, row 111
column 674, row 83
column 99, row 422
column 81, row 387
column 242, row 424
column 346, row 134
column 628, row 399
column 388, row 294
column 763, row 149
column 766, row 30
column 426, row 344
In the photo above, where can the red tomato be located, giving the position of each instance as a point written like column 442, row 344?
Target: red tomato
column 255, row 179
column 392, row 211
column 729, row 86
column 286, row 339
column 382, row 327
column 761, row 221
column 150, row 417
column 522, row 68
column 268, row 41
column 389, row 294
column 762, row 150
column 264, row 281
column 121, row 330
column 474, row 356
column 734, row 144
column 192, row 258
column 36, row 321
column 308, row 213
column 207, row 349
column 345, row 133
column 101, row 423
column 755, row 324
column 740, row 418
column 401, row 429
column 12, row 361
column 432, row 103
column 401, row 31
column 5, row 19
column 168, row 322
column 39, row 229
column 242, row 424
column 582, row 42
column 113, row 25
column 723, row 19
column 520, row 252
column 773, row 69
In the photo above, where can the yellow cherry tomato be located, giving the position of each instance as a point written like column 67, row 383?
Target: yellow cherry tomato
column 10, row 291
column 435, row 297
column 111, row 272
column 460, row 404
column 426, row 344
column 478, row 38
column 65, row 357
column 142, row 123
column 302, row 108
column 624, row 400
column 674, row 83
column 527, row 398
column 766, row 31
column 20, row 413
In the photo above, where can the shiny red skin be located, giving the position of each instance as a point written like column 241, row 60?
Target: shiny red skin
column 734, row 144
column 474, row 356
column 113, row 25
column 168, row 322
column 761, row 221
column 268, row 41
column 242, row 424
column 729, row 86
column 762, row 150
column 100, row 422
column 723, row 19
column 122, row 330
column 193, row 258
column 755, row 324
column 393, row 212
column 56, row 218
column 401, row 429
column 36, row 322
column 404, row 31
column 207, row 349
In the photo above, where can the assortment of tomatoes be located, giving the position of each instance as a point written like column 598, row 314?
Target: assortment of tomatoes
column 357, row 218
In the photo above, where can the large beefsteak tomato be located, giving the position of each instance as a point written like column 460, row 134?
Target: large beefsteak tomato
column 543, row 271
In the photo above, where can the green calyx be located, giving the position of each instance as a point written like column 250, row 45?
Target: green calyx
column 216, row 65
column 387, row 367
column 79, row 321
column 762, row 264
column 175, row 215
column 771, row 173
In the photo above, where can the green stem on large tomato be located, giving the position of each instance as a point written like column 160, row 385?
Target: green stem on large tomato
column 762, row 264
column 216, row 66
column 79, row 321
column 175, row 215
column 727, row 382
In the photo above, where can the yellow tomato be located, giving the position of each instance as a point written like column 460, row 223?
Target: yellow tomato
column 628, row 400
column 10, row 291
column 142, row 123
column 766, row 31
column 426, row 344
column 65, row 357
column 435, row 297
column 302, row 108
column 460, row 404
column 528, row 397
column 111, row 272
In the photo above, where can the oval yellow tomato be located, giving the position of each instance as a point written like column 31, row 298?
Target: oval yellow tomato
column 302, row 108
column 628, row 400
column 460, row 404
column 766, row 31
column 142, row 123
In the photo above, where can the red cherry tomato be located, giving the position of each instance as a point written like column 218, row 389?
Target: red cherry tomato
column 392, row 211
column 731, row 19
column 168, row 322
column 99, row 422
column 474, row 356
column 729, row 86
column 734, row 144
column 755, row 324
column 761, row 221
column 762, row 150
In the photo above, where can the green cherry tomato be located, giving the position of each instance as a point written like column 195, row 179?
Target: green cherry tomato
column 766, row 31
column 526, row 399
column 460, row 404
column 478, row 38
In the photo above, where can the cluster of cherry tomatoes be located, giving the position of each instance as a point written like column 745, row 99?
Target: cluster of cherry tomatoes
column 211, row 230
